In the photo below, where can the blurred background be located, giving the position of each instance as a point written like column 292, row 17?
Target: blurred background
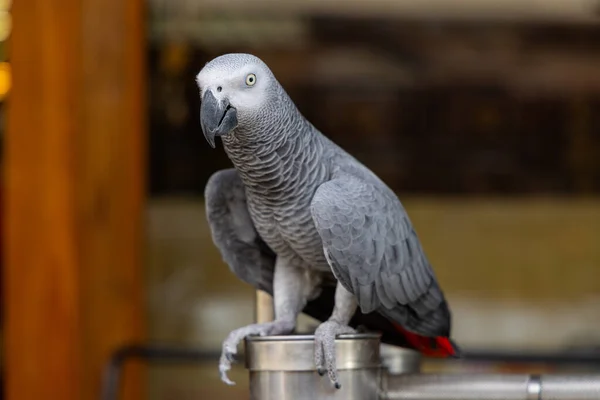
column 482, row 115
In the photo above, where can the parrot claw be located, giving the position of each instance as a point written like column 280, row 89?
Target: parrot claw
column 230, row 344
column 225, row 364
column 325, row 349
column 223, row 372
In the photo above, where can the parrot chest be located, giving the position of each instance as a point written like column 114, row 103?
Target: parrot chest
column 290, row 232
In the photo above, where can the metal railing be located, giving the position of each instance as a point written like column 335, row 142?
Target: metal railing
column 273, row 370
column 417, row 386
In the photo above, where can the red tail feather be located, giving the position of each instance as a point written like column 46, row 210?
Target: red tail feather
column 439, row 346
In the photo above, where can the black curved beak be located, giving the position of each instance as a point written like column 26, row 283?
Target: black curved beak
column 216, row 118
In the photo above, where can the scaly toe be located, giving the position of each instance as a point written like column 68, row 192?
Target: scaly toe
column 226, row 380
column 325, row 357
column 223, row 368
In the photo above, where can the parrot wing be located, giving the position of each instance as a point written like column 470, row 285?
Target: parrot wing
column 233, row 231
column 375, row 253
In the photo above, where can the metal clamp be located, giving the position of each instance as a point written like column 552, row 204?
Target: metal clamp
column 534, row 388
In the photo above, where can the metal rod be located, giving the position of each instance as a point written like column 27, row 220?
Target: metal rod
column 491, row 387
column 113, row 370
column 573, row 357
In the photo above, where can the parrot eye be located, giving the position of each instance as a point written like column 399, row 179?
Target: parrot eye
column 250, row 79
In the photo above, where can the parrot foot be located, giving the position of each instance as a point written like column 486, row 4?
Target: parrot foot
column 230, row 344
column 325, row 349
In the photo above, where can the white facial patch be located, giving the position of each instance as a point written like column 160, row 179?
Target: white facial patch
column 229, row 81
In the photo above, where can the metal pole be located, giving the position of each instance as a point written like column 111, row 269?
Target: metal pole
column 283, row 368
column 398, row 360
column 491, row 387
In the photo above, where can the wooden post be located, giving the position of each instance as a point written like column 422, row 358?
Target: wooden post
column 264, row 310
column 74, row 184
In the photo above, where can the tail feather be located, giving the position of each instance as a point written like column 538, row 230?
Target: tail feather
column 438, row 346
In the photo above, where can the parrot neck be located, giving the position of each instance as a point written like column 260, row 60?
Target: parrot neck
column 281, row 157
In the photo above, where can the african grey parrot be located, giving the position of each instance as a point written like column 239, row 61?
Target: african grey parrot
column 303, row 220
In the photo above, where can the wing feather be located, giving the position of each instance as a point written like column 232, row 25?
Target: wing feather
column 374, row 252
column 233, row 231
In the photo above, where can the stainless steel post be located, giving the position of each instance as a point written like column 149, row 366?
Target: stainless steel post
column 491, row 387
column 399, row 360
column 282, row 368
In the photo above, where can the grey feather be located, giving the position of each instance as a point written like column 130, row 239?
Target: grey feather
column 314, row 205
column 374, row 251
column 233, row 232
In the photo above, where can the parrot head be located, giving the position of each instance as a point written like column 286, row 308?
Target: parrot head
column 234, row 88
